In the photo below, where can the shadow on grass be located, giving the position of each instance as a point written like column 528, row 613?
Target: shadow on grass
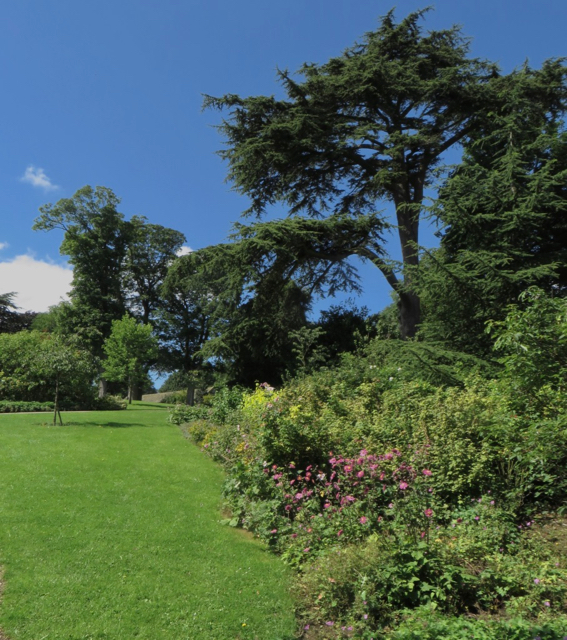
column 100, row 425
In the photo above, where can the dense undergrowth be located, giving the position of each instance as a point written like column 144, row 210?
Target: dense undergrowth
column 410, row 507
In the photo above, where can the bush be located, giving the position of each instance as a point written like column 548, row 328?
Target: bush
column 109, row 403
column 369, row 586
column 177, row 397
column 12, row 406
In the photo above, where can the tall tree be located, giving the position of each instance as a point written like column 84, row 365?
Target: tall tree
column 184, row 320
column 96, row 239
column 370, row 125
column 505, row 214
column 151, row 250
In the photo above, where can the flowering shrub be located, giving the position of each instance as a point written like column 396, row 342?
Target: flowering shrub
column 391, row 496
column 367, row 585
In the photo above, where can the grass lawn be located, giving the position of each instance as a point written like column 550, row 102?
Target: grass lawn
column 109, row 528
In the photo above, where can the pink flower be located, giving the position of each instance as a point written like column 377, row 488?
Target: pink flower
column 426, row 472
column 329, row 623
column 365, row 616
column 307, row 550
column 536, row 581
column 428, row 512
column 391, row 505
column 360, row 474
column 547, row 603
column 404, row 486
column 363, row 520
column 339, row 533
column 294, row 535
column 274, row 531
column 363, row 453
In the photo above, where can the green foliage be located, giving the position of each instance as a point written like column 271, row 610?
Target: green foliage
column 533, row 340
column 458, row 570
column 151, row 249
column 130, row 348
column 11, row 320
column 425, row 624
column 177, row 381
column 177, row 397
column 95, row 240
column 109, row 403
column 15, row 406
column 38, row 367
column 221, row 409
column 371, row 125
column 184, row 320
column 503, row 211
column 400, row 484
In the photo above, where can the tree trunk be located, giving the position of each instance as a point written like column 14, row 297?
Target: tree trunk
column 56, row 411
column 408, row 302
column 410, row 314
column 136, row 391
column 190, row 395
column 102, row 388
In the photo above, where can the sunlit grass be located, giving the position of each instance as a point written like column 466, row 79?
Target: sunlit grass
column 109, row 528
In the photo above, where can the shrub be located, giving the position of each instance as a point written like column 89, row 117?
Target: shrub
column 109, row 403
column 12, row 406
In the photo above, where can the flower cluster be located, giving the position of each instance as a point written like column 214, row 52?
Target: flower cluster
column 351, row 497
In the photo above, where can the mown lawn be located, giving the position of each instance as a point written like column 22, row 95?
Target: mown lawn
column 109, row 528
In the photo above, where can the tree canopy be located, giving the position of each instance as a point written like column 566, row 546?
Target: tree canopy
column 366, row 127
column 130, row 349
column 95, row 240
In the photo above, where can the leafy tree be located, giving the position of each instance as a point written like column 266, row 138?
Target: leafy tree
column 42, row 367
column 64, row 364
column 369, row 125
column 533, row 342
column 130, row 348
column 117, row 265
column 254, row 313
column 96, row 240
column 177, row 381
column 150, row 251
column 57, row 319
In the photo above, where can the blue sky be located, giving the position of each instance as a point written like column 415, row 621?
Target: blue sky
column 109, row 93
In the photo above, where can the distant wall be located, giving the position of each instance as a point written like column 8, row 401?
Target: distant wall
column 157, row 397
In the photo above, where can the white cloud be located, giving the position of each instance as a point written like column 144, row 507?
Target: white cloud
column 37, row 178
column 3, row 245
column 38, row 284
column 184, row 250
